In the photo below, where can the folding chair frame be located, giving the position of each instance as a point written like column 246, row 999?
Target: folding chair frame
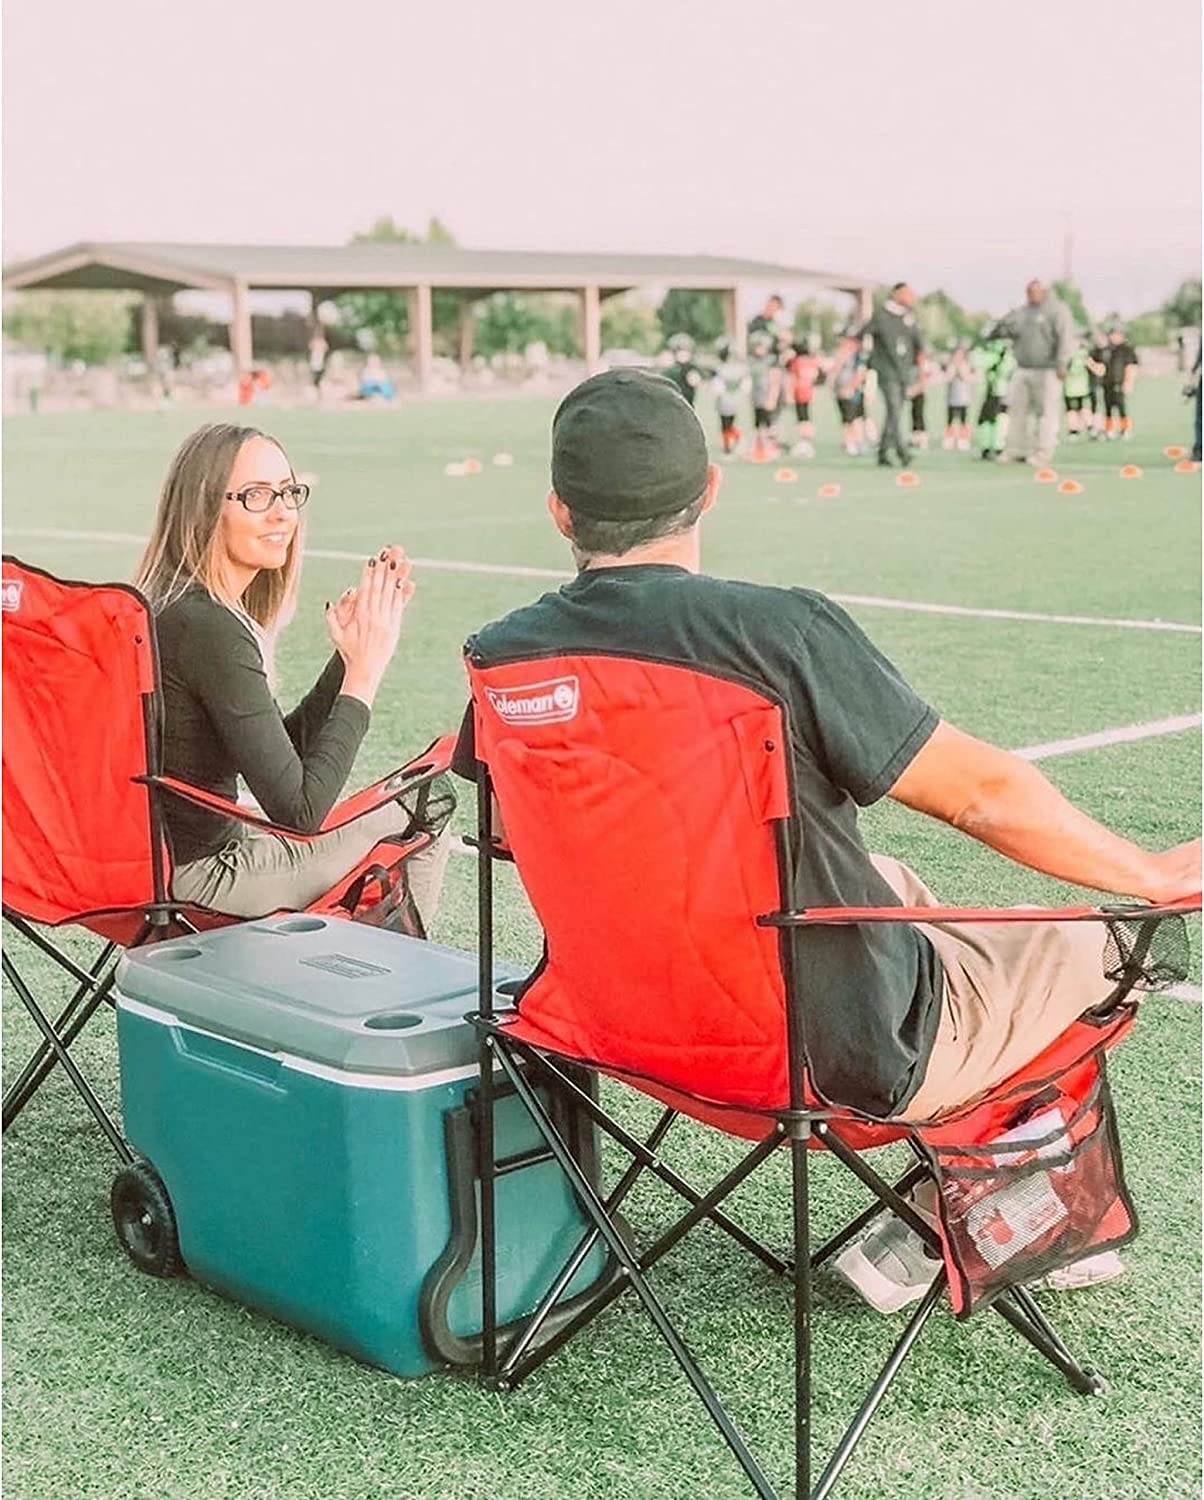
column 507, row 1362
column 158, row 917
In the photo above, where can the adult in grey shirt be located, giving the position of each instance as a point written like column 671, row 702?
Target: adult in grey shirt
column 1042, row 334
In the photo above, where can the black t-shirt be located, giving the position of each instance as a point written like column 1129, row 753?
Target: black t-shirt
column 1117, row 359
column 897, row 342
column 220, row 722
column 872, row 992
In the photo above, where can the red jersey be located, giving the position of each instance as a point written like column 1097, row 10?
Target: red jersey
column 804, row 371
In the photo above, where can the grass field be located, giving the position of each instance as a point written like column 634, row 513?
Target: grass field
column 123, row 1388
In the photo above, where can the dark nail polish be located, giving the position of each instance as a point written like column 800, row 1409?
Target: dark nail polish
column 371, row 562
column 392, row 567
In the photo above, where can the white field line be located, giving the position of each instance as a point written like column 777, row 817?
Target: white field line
column 516, row 570
column 1105, row 737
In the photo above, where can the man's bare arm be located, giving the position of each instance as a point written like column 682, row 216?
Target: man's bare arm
column 1006, row 803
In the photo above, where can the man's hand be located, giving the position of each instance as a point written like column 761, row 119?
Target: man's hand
column 1176, row 873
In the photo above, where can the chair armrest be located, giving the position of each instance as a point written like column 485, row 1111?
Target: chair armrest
column 847, row 916
column 434, row 760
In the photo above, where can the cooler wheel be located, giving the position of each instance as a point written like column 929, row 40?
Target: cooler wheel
column 145, row 1221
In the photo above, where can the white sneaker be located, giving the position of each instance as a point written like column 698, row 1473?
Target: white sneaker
column 890, row 1267
column 1092, row 1270
column 963, row 446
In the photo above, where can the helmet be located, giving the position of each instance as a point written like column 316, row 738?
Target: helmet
column 724, row 348
column 682, row 345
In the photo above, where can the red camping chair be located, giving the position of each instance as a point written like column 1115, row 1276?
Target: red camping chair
column 647, row 807
column 82, row 788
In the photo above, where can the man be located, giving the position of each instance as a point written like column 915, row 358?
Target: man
column 903, row 1022
column 897, row 351
column 1118, row 371
column 1042, row 334
column 769, row 320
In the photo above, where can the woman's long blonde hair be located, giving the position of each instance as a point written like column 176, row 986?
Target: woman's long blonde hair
column 184, row 546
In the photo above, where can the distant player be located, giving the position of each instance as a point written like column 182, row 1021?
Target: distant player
column 1097, row 355
column 804, row 371
column 682, row 370
column 996, row 364
column 765, row 372
column 1118, row 371
column 917, row 392
column 731, row 385
column 959, row 377
column 1076, row 393
column 848, row 386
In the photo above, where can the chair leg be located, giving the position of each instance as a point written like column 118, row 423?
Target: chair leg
column 68, row 1025
column 1031, row 1323
column 801, row 1211
column 843, row 1236
column 596, row 1210
column 530, row 1330
column 878, row 1390
column 55, row 1043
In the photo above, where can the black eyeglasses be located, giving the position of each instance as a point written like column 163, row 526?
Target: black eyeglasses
column 259, row 497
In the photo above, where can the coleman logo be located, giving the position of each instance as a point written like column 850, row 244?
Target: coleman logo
column 537, row 702
column 10, row 593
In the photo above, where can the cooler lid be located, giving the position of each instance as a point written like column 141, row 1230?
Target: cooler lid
column 322, row 988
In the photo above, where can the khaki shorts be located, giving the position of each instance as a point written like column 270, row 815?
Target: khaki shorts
column 1011, row 989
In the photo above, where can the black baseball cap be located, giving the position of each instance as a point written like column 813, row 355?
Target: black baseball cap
column 626, row 446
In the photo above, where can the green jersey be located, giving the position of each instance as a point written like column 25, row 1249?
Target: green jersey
column 1078, row 376
column 997, row 363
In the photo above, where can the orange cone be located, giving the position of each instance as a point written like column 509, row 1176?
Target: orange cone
column 785, row 476
column 472, row 465
column 1130, row 471
column 1070, row 487
column 907, row 479
column 1174, row 451
column 828, row 491
column 1186, row 466
column 1046, row 476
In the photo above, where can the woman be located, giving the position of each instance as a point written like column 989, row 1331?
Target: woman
column 221, row 572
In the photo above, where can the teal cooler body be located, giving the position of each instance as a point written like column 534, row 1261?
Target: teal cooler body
column 299, row 1084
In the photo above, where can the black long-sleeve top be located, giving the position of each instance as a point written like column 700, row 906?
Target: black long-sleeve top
column 221, row 721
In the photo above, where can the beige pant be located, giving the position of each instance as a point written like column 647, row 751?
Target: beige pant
column 1010, row 990
column 1034, row 407
column 260, row 873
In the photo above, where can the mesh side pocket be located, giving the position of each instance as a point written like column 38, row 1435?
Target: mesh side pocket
column 1146, row 953
column 1046, row 1192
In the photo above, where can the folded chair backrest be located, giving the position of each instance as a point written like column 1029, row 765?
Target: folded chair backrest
column 80, row 679
column 639, row 800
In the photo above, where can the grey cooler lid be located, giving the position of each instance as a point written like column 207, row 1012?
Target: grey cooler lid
column 333, row 991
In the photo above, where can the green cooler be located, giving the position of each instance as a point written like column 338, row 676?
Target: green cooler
column 301, row 1093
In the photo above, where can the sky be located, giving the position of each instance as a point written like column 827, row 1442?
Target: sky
column 948, row 144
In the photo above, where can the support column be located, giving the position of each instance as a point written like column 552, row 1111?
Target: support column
column 422, row 343
column 591, row 328
column 150, row 330
column 865, row 304
column 240, row 329
column 733, row 315
column 467, row 305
